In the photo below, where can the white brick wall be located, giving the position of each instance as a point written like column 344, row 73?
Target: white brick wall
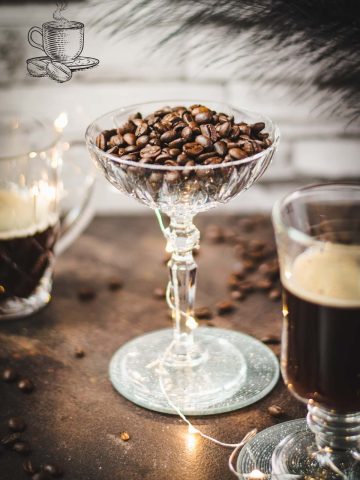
column 313, row 147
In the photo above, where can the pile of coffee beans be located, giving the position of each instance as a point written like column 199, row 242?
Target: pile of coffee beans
column 183, row 137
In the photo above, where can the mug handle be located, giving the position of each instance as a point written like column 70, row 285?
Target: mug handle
column 77, row 215
column 32, row 41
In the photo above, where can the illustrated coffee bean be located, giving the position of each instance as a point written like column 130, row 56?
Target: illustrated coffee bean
column 58, row 72
column 16, row 424
column 25, row 385
column 37, row 68
column 9, row 375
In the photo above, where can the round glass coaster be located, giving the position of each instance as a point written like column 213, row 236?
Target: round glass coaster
column 234, row 370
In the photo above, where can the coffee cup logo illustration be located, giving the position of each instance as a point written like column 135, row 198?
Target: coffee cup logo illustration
column 62, row 41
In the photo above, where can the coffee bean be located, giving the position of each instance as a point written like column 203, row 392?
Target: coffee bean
column 237, row 153
column 22, row 447
column 248, row 148
column 187, row 117
column 172, row 176
column 193, row 148
column 263, row 284
column 142, row 141
column 187, row 134
column 79, row 352
column 223, row 129
column 177, row 143
column 125, row 437
column 113, row 151
column 174, row 152
column 156, row 179
column 30, row 468
column 221, row 148
column 225, row 306
column 130, row 138
column 58, row 72
column 86, row 294
column 257, row 127
column 54, row 470
column 270, row 340
column 101, row 141
column 9, row 375
column 246, row 286
column 203, row 141
column 141, row 129
column 238, row 295
column 131, row 149
column 244, row 129
column 16, row 424
column 116, row 140
column 168, row 136
column 151, row 151
column 275, row 411
column 37, row 68
column 203, row 117
column 208, row 130
column 159, row 293
column 25, row 385
column 203, row 313
column 275, row 294
column 8, row 440
column 233, row 282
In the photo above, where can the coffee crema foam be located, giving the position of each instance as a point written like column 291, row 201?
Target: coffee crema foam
column 23, row 214
column 328, row 275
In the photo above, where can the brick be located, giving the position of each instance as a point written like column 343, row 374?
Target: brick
column 329, row 159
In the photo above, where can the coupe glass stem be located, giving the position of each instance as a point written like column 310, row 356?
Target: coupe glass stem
column 182, row 237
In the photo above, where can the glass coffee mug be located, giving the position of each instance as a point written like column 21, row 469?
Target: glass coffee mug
column 37, row 185
column 318, row 237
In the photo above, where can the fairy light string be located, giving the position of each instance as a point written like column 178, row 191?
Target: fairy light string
column 160, row 365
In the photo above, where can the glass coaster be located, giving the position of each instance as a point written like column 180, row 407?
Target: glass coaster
column 236, row 371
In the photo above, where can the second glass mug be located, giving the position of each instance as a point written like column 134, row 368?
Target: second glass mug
column 33, row 225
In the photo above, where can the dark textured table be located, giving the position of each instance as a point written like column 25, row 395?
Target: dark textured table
column 74, row 416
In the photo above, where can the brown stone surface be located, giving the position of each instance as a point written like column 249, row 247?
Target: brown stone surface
column 74, row 417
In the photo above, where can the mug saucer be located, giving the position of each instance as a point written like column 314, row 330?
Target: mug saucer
column 80, row 63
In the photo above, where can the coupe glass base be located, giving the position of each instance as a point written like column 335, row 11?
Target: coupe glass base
column 232, row 370
column 288, row 451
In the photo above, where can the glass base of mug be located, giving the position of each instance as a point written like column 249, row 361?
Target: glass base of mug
column 289, row 451
column 17, row 307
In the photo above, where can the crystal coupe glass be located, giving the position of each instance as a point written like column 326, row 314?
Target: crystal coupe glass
column 318, row 237
column 202, row 370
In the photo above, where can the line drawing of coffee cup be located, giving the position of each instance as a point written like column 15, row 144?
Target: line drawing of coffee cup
column 62, row 41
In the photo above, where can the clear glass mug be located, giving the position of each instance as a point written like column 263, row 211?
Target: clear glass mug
column 44, row 204
column 318, row 238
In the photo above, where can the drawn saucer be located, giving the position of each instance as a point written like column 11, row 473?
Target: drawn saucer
column 80, row 63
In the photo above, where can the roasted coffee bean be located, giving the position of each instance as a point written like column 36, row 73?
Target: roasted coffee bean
column 130, row 138
column 208, row 130
column 221, row 148
column 172, row 176
column 30, row 468
column 22, row 447
column 187, row 117
column 275, row 411
column 113, row 151
column 79, row 352
column 193, row 149
column 238, row 295
column 9, row 375
column 249, row 264
column 257, row 127
column 25, row 385
column 187, row 133
column 203, row 117
column 203, row 313
column 237, row 153
column 54, row 470
column 244, row 129
column 116, row 140
column 171, row 163
column 246, row 286
column 177, row 143
column 182, row 159
column 195, row 109
column 86, row 294
column 141, row 129
column 225, row 306
column 150, row 151
column 275, row 294
column 101, row 141
column 174, row 152
column 16, row 424
column 224, row 129
column 159, row 293
column 142, row 141
column 8, row 440
column 203, row 141
column 168, row 136
column 248, row 148
column 213, row 161
column 263, row 284
column 135, row 116
column 270, row 268
column 270, row 340
column 233, row 282
column 205, row 156
column 131, row 149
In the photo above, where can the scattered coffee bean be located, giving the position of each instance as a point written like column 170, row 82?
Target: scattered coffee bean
column 263, row 284
column 275, row 411
column 275, row 294
column 225, row 306
column 25, row 385
column 238, row 295
column 9, row 375
column 22, row 447
column 8, row 440
column 115, row 283
column 30, row 467
column 124, row 436
column 203, row 313
column 16, row 424
column 54, row 470
column 86, row 294
column 159, row 293
column 270, row 340
column 79, row 352
column 246, row 286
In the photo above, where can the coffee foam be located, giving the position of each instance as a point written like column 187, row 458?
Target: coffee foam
column 22, row 214
column 63, row 23
column 327, row 275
